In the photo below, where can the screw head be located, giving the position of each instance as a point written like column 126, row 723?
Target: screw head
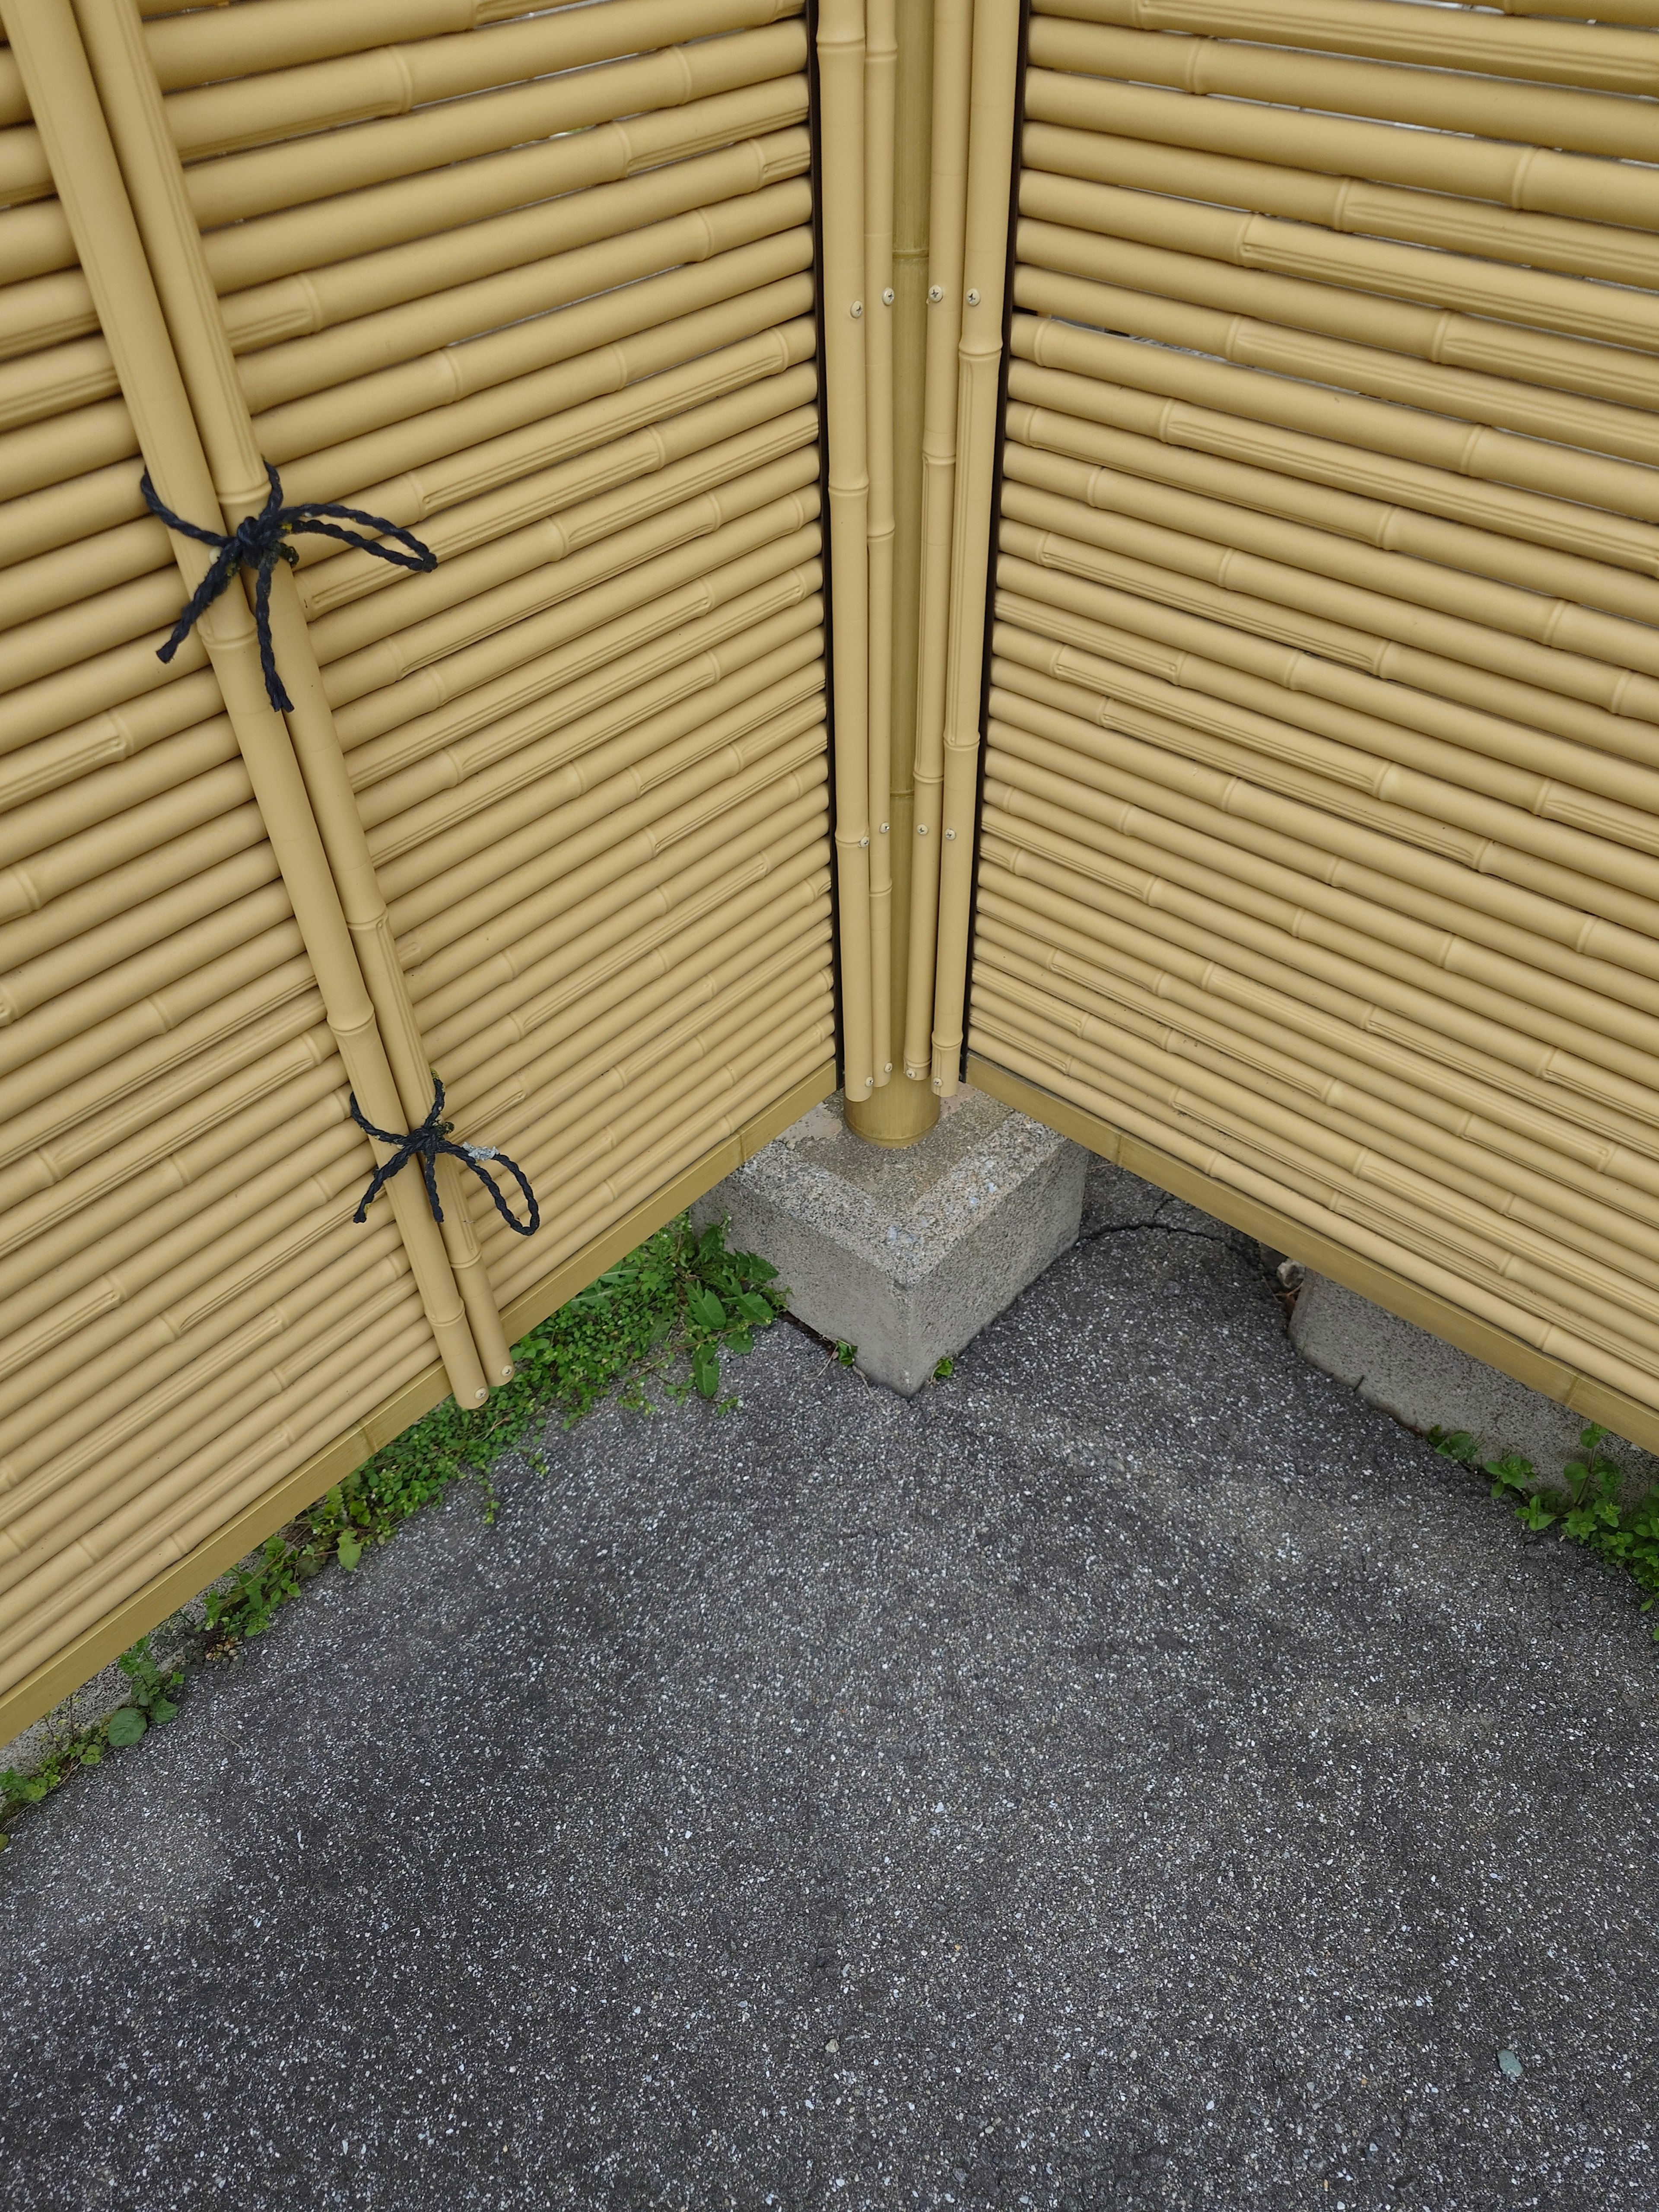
column 863, row 840
column 887, row 297
column 858, row 309
column 884, row 829
column 922, row 828
column 888, row 1069
column 936, row 292
column 973, row 299
column 948, row 835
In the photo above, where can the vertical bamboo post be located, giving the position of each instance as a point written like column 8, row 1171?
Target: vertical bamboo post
column 906, row 1108
column 69, row 117
column 114, row 34
column 984, row 268
column 953, row 31
column 841, row 167
column 880, row 73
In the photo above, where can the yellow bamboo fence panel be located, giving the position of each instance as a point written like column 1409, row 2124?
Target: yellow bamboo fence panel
column 539, row 287
column 182, row 1012
column 1320, row 796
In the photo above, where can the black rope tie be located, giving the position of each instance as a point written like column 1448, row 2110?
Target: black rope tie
column 425, row 1145
column 259, row 543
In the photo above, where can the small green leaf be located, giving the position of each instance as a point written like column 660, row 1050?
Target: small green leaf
column 349, row 1549
column 126, row 1725
column 706, row 1370
column 753, row 1307
column 846, row 1354
column 739, row 1340
column 756, row 1269
column 946, row 1369
column 162, row 1711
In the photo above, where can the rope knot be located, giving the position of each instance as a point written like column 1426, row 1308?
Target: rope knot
column 428, row 1144
column 259, row 542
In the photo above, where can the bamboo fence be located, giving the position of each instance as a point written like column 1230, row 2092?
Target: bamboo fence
column 1316, row 872
column 551, row 821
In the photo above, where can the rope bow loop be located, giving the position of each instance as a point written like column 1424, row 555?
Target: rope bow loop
column 258, row 542
column 425, row 1145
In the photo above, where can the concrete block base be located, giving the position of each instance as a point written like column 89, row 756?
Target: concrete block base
column 1426, row 1383
column 907, row 1253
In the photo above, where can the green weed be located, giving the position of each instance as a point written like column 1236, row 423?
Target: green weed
column 151, row 1701
column 1586, row 1506
column 663, row 1318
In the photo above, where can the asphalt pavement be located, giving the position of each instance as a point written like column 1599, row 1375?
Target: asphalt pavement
column 1132, row 1774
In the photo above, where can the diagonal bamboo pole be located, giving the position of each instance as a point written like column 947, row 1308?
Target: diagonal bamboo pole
column 68, row 115
column 132, row 98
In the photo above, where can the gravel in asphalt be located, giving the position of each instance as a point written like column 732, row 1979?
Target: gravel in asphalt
column 1132, row 1774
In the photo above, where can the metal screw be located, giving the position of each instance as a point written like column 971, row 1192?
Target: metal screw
column 888, row 1069
column 950, row 833
column 858, row 309
column 864, row 840
column 973, row 299
column 884, row 829
column 869, row 1082
column 922, row 828
column 887, row 297
column 938, row 1083
column 936, row 292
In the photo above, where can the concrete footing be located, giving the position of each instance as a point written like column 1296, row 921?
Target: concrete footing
column 1427, row 1383
column 906, row 1254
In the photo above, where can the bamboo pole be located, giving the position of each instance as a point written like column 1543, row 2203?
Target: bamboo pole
column 947, row 214
column 880, row 76
column 1115, row 153
column 777, row 575
column 904, row 1108
column 1385, row 645
column 1558, row 53
column 1537, row 1147
column 841, row 50
column 1439, row 517
column 727, row 213
column 148, row 1373
column 667, row 864
column 254, row 262
column 990, row 155
column 1488, row 1069
column 67, row 111
column 1619, row 318
column 1411, row 1123
column 1468, row 1000
column 172, row 1305
column 1543, row 115
column 1619, row 381
column 131, row 1089
column 1124, row 756
column 1366, row 767
column 1553, row 644
column 573, row 403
